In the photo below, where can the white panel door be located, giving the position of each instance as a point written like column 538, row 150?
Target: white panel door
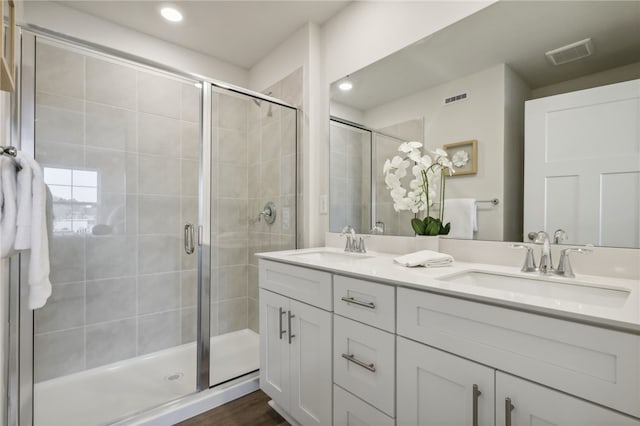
column 310, row 348
column 582, row 169
column 436, row 388
column 274, row 348
column 535, row 405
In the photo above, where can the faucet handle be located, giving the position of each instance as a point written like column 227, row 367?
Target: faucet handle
column 564, row 265
column 529, row 262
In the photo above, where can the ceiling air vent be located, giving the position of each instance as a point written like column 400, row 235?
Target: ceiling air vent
column 456, row 98
column 571, row 52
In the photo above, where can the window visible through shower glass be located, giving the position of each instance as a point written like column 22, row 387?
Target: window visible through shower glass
column 120, row 149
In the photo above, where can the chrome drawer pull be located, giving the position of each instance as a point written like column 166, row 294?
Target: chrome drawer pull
column 282, row 312
column 476, row 394
column 353, row 359
column 508, row 408
column 369, row 305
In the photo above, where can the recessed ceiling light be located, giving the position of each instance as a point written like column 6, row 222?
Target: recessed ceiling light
column 345, row 86
column 171, row 14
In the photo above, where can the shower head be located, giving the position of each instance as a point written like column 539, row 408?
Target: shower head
column 258, row 102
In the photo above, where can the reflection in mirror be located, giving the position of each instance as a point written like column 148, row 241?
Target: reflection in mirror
column 472, row 80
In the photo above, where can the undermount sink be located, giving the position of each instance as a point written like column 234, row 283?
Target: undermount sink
column 543, row 286
column 331, row 256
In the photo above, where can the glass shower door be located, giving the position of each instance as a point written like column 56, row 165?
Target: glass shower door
column 120, row 149
column 253, row 155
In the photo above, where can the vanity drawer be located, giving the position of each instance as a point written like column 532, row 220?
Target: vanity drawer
column 349, row 410
column 371, row 303
column 364, row 362
column 596, row 364
column 303, row 284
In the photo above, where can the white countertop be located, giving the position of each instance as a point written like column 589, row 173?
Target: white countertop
column 600, row 301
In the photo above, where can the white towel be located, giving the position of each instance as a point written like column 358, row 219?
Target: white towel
column 33, row 219
column 8, row 206
column 463, row 216
column 24, row 201
column 426, row 258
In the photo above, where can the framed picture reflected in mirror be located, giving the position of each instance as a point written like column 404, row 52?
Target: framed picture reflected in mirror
column 464, row 156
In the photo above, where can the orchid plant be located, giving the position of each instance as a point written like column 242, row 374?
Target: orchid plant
column 422, row 188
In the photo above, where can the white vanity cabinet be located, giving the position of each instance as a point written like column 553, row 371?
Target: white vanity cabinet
column 520, row 402
column 436, row 388
column 295, row 342
column 597, row 365
column 364, row 352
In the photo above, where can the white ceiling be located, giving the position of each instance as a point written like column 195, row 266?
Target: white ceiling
column 238, row 32
column 516, row 33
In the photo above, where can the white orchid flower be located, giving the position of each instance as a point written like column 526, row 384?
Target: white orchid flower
column 401, row 172
column 415, row 155
column 398, row 193
column 409, row 146
column 426, row 161
column 439, row 152
column 392, row 181
column 386, row 167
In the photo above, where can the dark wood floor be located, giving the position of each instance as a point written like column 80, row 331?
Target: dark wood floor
column 250, row 410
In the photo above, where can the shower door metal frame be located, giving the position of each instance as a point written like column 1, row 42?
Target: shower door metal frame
column 21, row 325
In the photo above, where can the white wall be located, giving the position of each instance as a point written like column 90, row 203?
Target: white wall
column 614, row 75
column 86, row 27
column 516, row 92
column 346, row 112
column 479, row 117
column 366, row 31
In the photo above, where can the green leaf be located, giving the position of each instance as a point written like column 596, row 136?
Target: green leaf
column 444, row 230
column 433, row 227
column 418, row 226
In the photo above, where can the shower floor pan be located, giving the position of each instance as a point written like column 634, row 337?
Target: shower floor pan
column 105, row 394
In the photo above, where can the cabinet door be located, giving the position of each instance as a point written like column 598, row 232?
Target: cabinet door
column 437, row 388
column 537, row 405
column 274, row 348
column 310, row 364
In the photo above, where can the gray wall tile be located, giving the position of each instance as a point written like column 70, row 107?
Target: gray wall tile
column 158, row 135
column 158, row 292
column 59, row 71
column 232, row 282
column 59, row 119
column 64, row 309
column 58, row 354
column 158, row 214
column 110, row 83
column 110, row 256
column 232, row 315
column 159, row 175
column 111, row 299
column 111, row 342
column 190, row 106
column 159, row 95
column 110, row 127
column 159, row 253
column 67, row 258
column 158, row 331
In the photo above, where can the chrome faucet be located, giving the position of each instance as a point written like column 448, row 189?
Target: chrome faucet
column 546, row 264
column 564, row 266
column 353, row 244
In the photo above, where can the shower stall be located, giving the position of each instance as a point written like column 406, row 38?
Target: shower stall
column 158, row 184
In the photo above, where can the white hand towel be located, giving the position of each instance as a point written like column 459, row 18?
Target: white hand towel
column 24, row 201
column 39, row 284
column 463, row 216
column 426, row 258
column 9, row 208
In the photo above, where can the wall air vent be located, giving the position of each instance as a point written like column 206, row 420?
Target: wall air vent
column 456, row 98
column 571, row 52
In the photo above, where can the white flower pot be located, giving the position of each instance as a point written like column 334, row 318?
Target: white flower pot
column 427, row 242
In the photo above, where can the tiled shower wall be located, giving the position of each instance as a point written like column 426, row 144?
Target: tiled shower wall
column 124, row 288
column 253, row 152
column 350, row 171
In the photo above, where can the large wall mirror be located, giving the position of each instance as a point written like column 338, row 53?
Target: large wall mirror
column 483, row 79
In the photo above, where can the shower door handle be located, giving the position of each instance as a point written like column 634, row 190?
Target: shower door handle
column 189, row 240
